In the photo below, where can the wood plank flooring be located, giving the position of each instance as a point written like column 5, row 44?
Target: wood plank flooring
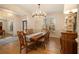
column 13, row 48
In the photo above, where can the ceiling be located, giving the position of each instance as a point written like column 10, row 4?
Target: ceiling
column 22, row 9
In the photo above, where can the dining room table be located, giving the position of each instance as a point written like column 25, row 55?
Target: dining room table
column 35, row 36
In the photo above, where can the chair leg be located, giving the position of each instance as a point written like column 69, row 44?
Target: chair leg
column 43, row 45
column 26, row 50
column 20, row 50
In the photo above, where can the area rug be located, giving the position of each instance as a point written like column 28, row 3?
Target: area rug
column 8, row 40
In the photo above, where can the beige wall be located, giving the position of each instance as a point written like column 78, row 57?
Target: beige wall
column 36, row 24
column 16, row 24
column 69, row 7
column 4, row 24
column 59, row 24
column 78, row 22
column 78, row 27
column 31, row 23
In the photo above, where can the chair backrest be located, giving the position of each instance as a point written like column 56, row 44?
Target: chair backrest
column 44, row 30
column 29, row 31
column 22, row 38
column 47, row 36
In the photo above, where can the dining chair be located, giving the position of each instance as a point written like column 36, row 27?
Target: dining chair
column 23, row 43
column 44, row 41
column 22, row 40
column 47, row 37
column 29, row 31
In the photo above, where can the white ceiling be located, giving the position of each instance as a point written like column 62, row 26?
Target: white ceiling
column 30, row 8
column 45, row 7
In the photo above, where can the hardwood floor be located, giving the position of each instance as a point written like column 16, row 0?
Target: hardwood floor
column 13, row 48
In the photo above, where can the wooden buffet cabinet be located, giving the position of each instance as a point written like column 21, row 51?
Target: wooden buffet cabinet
column 2, row 32
column 68, row 43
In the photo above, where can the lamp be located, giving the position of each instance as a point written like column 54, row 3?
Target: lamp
column 38, row 12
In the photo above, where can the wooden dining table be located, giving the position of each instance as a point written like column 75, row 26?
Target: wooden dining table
column 35, row 36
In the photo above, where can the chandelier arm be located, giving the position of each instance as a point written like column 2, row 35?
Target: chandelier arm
column 39, row 12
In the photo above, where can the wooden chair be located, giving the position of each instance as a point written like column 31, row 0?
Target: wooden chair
column 23, row 43
column 44, row 30
column 47, row 37
column 22, row 40
column 29, row 31
column 44, row 41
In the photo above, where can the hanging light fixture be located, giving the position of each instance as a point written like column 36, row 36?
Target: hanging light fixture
column 38, row 12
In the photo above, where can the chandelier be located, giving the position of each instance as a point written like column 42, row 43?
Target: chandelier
column 38, row 12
